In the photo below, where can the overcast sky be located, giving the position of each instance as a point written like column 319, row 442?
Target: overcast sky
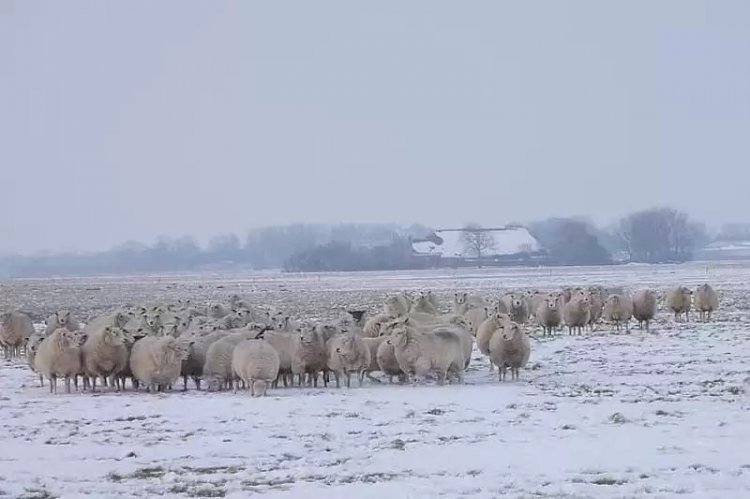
column 126, row 120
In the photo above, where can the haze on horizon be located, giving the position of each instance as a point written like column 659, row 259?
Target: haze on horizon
column 125, row 120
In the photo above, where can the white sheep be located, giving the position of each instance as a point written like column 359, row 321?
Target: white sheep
column 644, row 307
column 192, row 366
column 493, row 323
column 706, row 301
column 284, row 343
column 256, row 363
column 618, row 309
column 32, row 347
column 375, row 323
column 59, row 356
column 516, row 307
column 679, row 301
column 156, row 361
column 397, row 305
column 419, row 354
column 105, row 354
column 217, row 371
column 373, row 344
column 15, row 329
column 387, row 362
column 462, row 302
column 309, row 356
column 577, row 313
column 61, row 319
column 510, row 348
column 596, row 305
column 348, row 354
column 424, row 304
column 549, row 315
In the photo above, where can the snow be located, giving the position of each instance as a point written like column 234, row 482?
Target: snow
column 507, row 242
column 656, row 414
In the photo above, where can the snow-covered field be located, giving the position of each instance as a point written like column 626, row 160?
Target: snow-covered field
column 658, row 414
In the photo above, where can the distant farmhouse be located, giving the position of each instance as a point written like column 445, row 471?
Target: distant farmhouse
column 505, row 246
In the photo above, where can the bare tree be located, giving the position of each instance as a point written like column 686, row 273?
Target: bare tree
column 660, row 235
column 476, row 240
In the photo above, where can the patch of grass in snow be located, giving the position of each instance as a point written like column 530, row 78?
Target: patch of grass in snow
column 139, row 474
column 604, row 480
column 37, row 494
column 207, row 492
column 436, row 411
column 211, row 470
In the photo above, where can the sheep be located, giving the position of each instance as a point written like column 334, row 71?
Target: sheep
column 118, row 319
column 679, row 301
column 387, row 362
column 32, row 347
column 155, row 361
column 15, row 329
column 192, row 366
column 61, row 319
column 476, row 316
column 397, row 305
column 706, row 301
column 59, row 356
column 217, row 371
column 644, row 307
column 284, row 345
column 218, row 311
column 510, row 347
column 462, row 302
column 421, row 353
column 348, row 354
column 309, row 356
column 375, row 323
column 373, row 344
column 359, row 317
column 495, row 321
column 256, row 363
column 424, row 305
column 618, row 309
column 533, row 300
column 105, row 355
column 596, row 305
column 516, row 307
column 466, row 337
column 549, row 315
column 577, row 313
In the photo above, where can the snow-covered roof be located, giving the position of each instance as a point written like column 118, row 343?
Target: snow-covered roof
column 507, row 242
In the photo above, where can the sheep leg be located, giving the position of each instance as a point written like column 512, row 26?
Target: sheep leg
column 67, row 384
column 348, row 379
column 197, row 382
column 93, row 384
column 441, row 375
column 236, row 385
column 53, row 384
column 252, row 388
column 336, row 375
column 184, row 382
column 41, row 380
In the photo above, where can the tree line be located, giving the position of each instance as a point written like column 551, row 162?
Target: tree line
column 656, row 235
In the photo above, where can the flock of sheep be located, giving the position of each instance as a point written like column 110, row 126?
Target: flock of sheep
column 239, row 345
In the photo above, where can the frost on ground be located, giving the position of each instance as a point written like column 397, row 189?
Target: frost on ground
column 658, row 414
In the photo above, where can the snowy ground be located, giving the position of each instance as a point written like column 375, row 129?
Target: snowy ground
column 658, row 414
